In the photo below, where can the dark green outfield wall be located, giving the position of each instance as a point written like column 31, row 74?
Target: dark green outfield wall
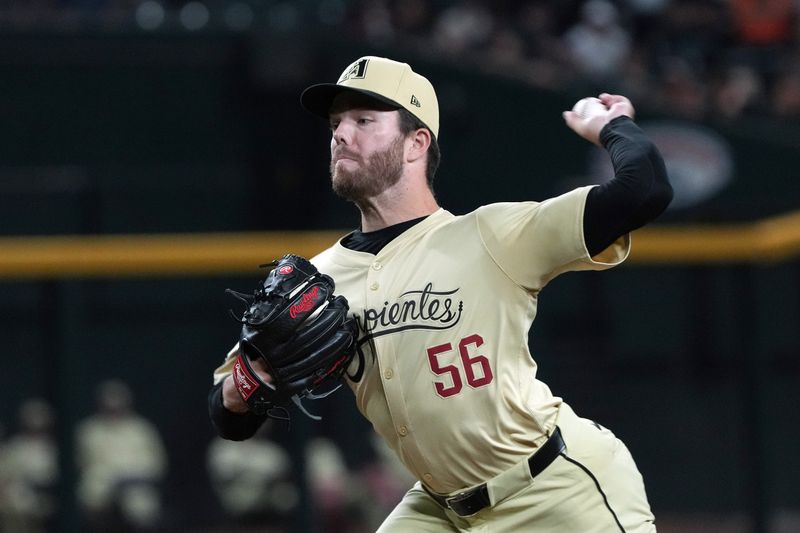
column 694, row 367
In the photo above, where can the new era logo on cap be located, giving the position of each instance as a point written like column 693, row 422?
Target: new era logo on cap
column 386, row 80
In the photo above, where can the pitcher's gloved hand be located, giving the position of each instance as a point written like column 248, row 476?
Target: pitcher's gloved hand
column 299, row 329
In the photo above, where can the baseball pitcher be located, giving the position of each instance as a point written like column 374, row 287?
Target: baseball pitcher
column 425, row 315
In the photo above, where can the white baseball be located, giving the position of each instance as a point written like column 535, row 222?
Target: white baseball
column 589, row 107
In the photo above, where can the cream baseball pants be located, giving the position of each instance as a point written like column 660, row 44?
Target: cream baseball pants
column 592, row 486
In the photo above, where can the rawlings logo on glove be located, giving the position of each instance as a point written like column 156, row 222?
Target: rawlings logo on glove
column 307, row 302
column 300, row 330
column 246, row 384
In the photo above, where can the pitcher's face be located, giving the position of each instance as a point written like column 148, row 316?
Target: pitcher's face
column 367, row 148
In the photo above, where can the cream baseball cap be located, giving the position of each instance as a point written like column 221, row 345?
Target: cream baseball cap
column 386, row 80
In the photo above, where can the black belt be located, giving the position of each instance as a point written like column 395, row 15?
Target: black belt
column 470, row 502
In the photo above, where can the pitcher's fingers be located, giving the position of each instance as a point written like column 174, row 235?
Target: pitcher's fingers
column 611, row 99
column 260, row 368
column 571, row 118
column 617, row 105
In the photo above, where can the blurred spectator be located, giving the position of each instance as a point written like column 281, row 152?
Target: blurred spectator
column 536, row 21
column 412, row 18
column 741, row 91
column 695, row 32
column 333, row 488
column 764, row 31
column 376, row 19
column 253, row 481
column 505, row 50
column 546, row 57
column 763, row 22
column 682, row 92
column 121, row 461
column 29, row 472
column 598, row 45
column 786, row 96
column 463, row 27
column 646, row 16
column 637, row 80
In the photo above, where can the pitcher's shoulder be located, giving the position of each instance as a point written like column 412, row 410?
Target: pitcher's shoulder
column 324, row 259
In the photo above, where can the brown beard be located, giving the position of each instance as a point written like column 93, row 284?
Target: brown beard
column 381, row 171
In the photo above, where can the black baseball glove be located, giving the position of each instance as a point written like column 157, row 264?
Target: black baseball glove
column 300, row 330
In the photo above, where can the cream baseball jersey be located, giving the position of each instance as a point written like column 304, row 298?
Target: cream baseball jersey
column 444, row 372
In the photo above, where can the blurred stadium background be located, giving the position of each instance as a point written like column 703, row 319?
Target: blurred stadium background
column 153, row 152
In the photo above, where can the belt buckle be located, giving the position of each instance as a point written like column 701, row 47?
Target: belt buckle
column 469, row 502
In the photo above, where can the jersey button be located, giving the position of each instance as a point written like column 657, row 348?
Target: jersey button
column 428, row 478
column 403, row 431
column 388, row 374
column 374, row 286
column 377, row 266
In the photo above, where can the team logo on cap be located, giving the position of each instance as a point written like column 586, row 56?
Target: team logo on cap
column 356, row 71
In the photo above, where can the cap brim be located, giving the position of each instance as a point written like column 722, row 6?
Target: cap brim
column 318, row 99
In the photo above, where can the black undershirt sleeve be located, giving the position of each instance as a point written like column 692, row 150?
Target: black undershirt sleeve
column 638, row 193
column 230, row 425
